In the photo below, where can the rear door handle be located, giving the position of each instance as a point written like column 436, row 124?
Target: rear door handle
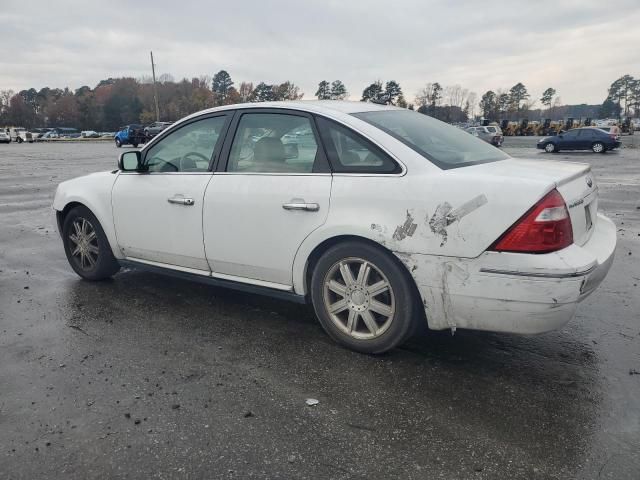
column 181, row 201
column 307, row 207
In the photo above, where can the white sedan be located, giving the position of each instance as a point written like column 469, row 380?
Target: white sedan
column 380, row 217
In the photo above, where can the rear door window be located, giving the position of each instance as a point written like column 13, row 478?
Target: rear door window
column 273, row 143
column 349, row 152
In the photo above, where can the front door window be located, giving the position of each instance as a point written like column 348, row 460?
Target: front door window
column 187, row 149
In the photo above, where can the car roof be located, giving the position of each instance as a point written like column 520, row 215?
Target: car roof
column 317, row 106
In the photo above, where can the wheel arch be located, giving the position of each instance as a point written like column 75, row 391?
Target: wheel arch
column 106, row 226
column 62, row 214
column 303, row 285
column 93, row 192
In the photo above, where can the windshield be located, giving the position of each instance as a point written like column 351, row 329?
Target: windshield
column 444, row 145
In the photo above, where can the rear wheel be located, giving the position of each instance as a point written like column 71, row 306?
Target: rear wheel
column 86, row 245
column 550, row 147
column 135, row 145
column 363, row 297
column 598, row 147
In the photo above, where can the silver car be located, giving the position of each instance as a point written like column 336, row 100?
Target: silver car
column 491, row 134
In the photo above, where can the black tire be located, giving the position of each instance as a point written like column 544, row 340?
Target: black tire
column 19, row 140
column 118, row 143
column 135, row 145
column 598, row 147
column 550, row 147
column 105, row 265
column 397, row 327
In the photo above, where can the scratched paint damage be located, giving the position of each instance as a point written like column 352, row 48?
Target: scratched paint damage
column 446, row 215
column 406, row 229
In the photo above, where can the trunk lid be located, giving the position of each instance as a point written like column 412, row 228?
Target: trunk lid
column 574, row 181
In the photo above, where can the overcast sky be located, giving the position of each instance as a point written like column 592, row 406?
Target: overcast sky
column 576, row 46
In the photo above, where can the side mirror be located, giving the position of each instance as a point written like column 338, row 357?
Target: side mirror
column 130, row 161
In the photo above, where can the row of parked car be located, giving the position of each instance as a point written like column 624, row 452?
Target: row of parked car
column 20, row 135
column 128, row 135
column 597, row 139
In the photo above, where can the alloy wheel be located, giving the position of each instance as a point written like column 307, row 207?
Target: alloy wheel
column 549, row 148
column 83, row 244
column 359, row 298
column 598, row 147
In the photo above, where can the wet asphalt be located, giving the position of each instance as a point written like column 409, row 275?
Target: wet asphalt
column 145, row 376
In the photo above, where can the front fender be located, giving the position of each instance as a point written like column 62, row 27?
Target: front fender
column 94, row 192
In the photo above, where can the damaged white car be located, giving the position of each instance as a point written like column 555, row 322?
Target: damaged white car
column 380, row 217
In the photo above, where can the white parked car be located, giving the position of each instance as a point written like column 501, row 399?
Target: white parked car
column 381, row 218
column 4, row 137
column 20, row 135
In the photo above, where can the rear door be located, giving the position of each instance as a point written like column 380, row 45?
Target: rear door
column 583, row 139
column 270, row 191
column 569, row 140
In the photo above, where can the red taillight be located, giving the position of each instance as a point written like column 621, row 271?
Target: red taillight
column 543, row 229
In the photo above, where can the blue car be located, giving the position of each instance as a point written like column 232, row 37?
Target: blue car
column 586, row 138
column 130, row 135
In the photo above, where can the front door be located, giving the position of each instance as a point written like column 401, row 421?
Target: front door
column 272, row 193
column 158, row 213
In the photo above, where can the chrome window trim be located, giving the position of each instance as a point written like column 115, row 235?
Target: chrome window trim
column 167, row 173
column 277, row 174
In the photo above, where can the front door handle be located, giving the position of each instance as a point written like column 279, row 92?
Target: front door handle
column 181, row 201
column 307, row 207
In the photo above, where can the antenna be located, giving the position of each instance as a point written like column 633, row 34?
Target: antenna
column 155, row 88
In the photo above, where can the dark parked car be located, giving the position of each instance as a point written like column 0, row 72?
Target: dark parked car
column 587, row 138
column 155, row 128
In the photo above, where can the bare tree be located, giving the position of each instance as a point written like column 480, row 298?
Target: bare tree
column 429, row 95
column 455, row 95
column 472, row 98
column 246, row 91
column 166, row 78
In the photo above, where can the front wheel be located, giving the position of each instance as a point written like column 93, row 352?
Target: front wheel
column 598, row 147
column 118, row 143
column 363, row 297
column 86, row 245
column 19, row 140
column 550, row 147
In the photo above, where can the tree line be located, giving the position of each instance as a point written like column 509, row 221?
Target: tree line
column 622, row 100
column 120, row 101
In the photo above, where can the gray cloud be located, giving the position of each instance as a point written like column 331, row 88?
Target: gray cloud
column 578, row 47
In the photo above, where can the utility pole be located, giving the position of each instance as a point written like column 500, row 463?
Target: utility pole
column 155, row 88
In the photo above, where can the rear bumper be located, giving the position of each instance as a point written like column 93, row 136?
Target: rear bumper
column 510, row 292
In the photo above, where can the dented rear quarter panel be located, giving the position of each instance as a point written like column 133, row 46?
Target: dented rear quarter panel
column 447, row 213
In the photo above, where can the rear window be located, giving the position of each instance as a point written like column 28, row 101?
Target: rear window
column 440, row 143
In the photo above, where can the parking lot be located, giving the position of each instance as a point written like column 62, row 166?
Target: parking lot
column 147, row 376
